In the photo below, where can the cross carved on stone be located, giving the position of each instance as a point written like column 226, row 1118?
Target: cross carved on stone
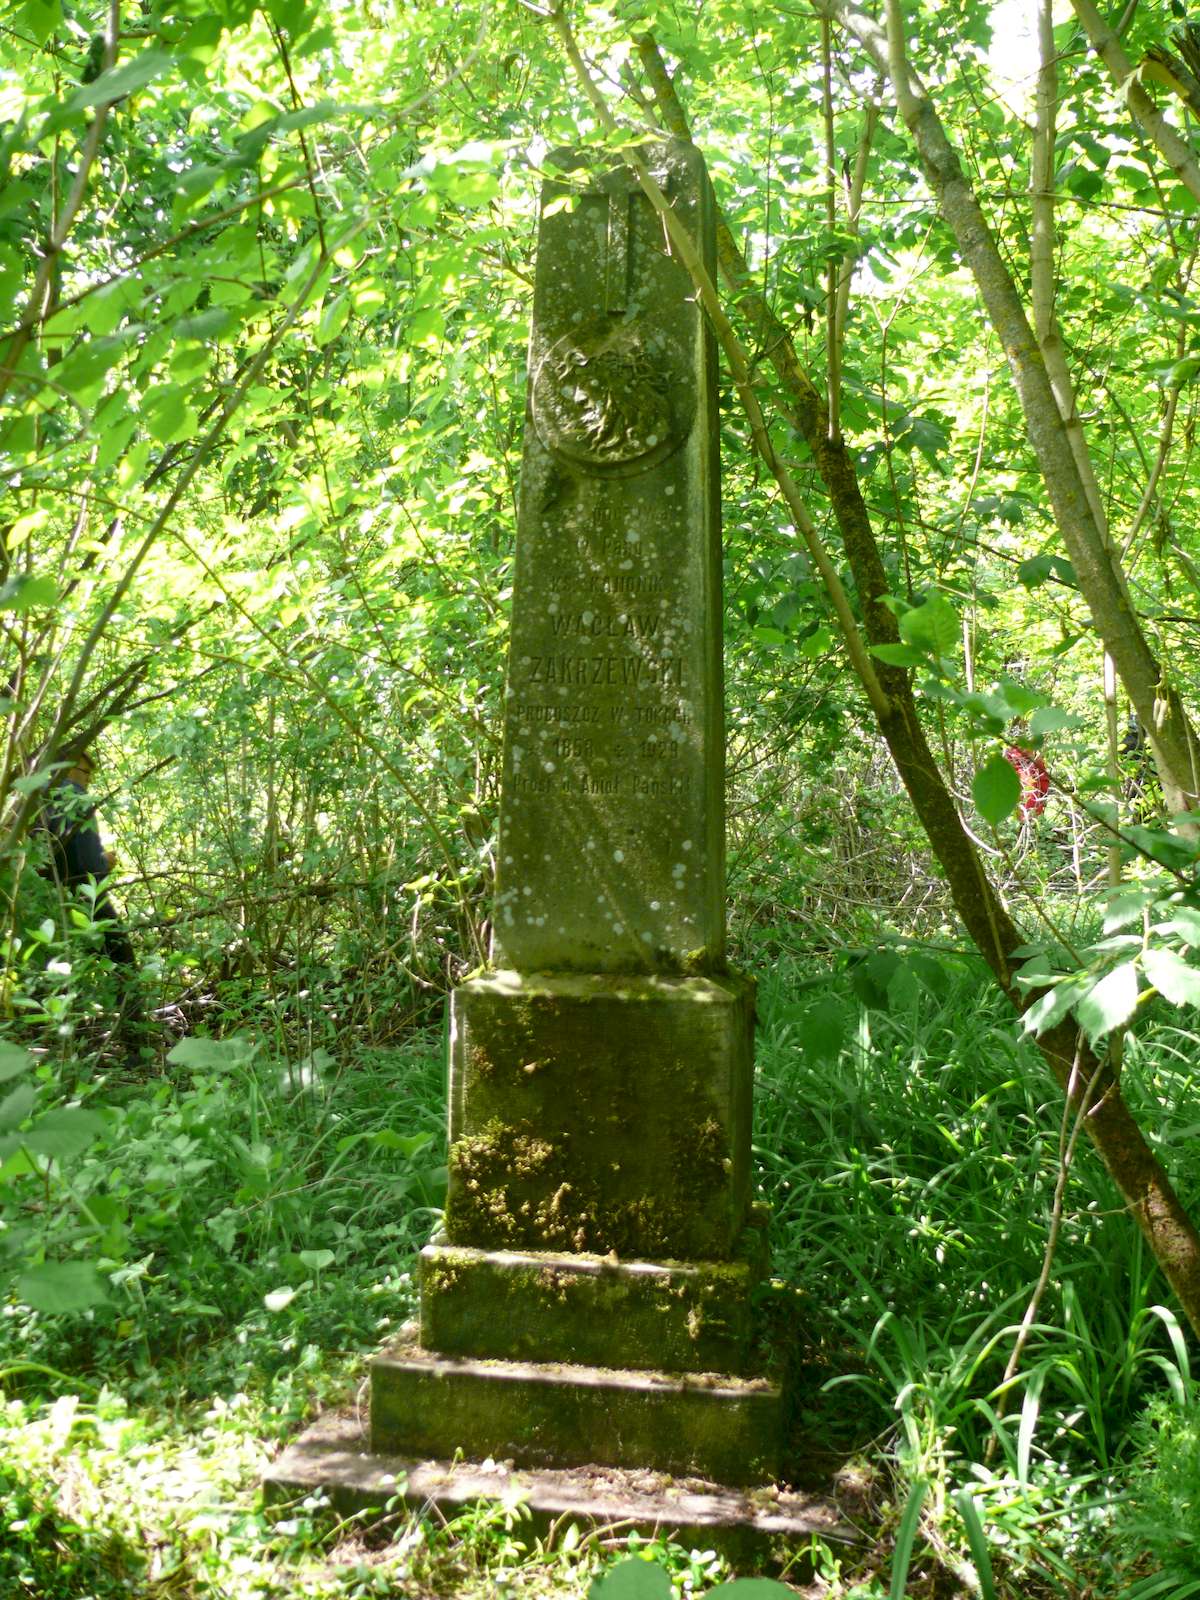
column 621, row 189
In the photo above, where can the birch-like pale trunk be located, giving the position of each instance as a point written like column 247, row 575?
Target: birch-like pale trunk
column 1171, row 144
column 1092, row 1089
column 1157, row 702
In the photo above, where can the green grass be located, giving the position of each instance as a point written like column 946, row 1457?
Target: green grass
column 263, row 1217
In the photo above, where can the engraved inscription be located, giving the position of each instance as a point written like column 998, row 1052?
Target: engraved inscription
column 595, row 625
column 629, row 672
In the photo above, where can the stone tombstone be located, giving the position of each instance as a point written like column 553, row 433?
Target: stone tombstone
column 610, row 1009
column 589, row 1298
column 611, row 823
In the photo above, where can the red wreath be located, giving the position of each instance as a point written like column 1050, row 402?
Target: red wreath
column 1034, row 776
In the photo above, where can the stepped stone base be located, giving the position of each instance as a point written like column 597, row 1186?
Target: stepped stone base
column 542, row 1305
column 752, row 1529
column 546, row 1414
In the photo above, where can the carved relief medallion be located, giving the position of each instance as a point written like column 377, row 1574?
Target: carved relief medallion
column 602, row 400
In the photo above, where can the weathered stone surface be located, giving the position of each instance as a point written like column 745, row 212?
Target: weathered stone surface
column 601, row 1113
column 546, row 1414
column 753, row 1529
column 541, row 1306
column 612, row 801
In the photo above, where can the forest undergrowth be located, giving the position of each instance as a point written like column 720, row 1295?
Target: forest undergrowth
column 261, row 1208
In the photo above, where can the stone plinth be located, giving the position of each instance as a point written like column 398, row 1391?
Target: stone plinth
column 601, row 1114
column 752, row 1528
column 541, row 1414
column 547, row 1306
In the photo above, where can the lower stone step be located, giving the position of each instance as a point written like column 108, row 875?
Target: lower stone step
column 536, row 1414
column 549, row 1306
column 753, row 1530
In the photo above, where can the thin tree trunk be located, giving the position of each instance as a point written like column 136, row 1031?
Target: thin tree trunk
column 1172, row 146
column 1158, row 704
column 1131, row 1162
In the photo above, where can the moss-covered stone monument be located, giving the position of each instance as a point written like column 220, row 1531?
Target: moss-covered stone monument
column 586, row 1311
column 588, row 1300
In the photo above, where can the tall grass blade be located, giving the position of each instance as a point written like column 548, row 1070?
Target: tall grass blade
column 964, row 1500
column 1178, row 1343
column 1030, row 1406
column 905, row 1535
column 1162, row 1586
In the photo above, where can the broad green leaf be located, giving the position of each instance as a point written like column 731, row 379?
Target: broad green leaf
column 15, row 1162
column 59, row 1287
column 208, row 324
column 1126, row 907
column 632, row 1579
column 16, row 1106
column 1185, row 921
column 996, row 789
column 426, row 327
column 317, row 1260
column 167, row 415
column 333, row 319
column 14, row 1059
column 1052, row 719
column 1019, row 699
column 407, row 1143
column 212, row 1055
column 1110, row 1002
column 933, row 626
column 1035, row 571
column 823, row 1029
column 65, row 1134
column 27, row 592
column 1170, row 849
column 1050, row 1008
column 1174, row 979
column 123, row 80
column 41, row 18
column 898, row 655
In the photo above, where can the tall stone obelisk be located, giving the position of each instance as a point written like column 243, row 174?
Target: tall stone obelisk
column 597, row 1253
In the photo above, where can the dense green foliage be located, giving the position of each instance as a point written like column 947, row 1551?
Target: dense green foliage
column 264, row 282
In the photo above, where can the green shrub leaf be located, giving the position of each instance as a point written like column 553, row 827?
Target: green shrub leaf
column 1110, row 1002
column 1172, row 977
column 932, row 626
column 65, row 1134
column 633, row 1579
column 61, row 1286
column 16, row 1106
column 996, row 789
column 14, row 1060
column 211, row 1055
